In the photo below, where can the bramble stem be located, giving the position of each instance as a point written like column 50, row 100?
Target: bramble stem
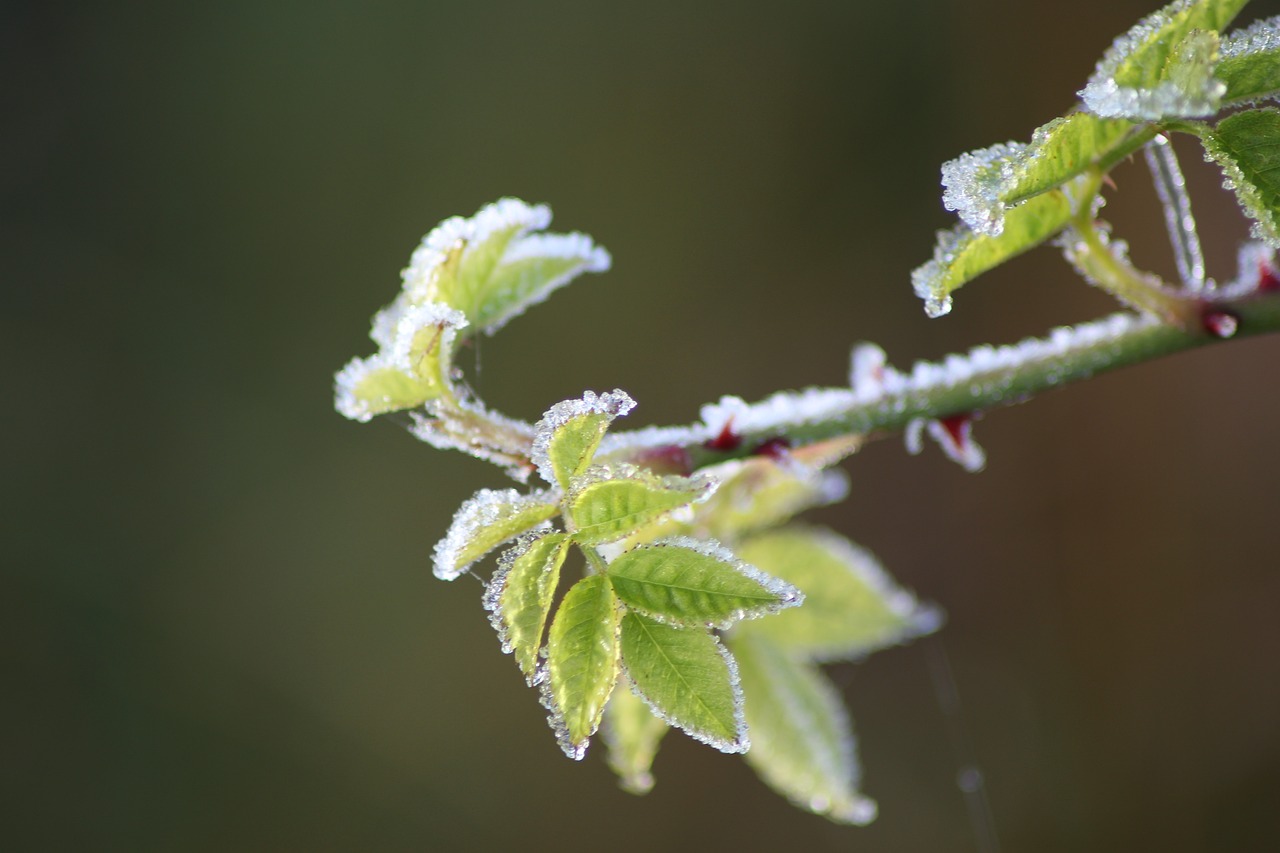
column 1043, row 366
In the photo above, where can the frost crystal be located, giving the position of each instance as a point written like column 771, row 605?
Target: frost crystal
column 1188, row 88
column 976, row 184
column 614, row 404
column 457, row 231
column 772, row 414
column 1259, row 37
column 929, row 279
column 481, row 524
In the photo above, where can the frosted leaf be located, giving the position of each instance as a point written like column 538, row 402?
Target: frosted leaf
column 982, row 185
column 802, row 739
column 518, row 597
column 758, row 492
column 607, row 504
column 1249, row 62
column 852, row 608
column 961, row 254
column 692, row 582
column 491, row 268
column 1246, row 146
column 411, row 368
column 582, row 662
column 486, row 520
column 508, row 216
column 689, row 680
column 575, row 428
column 631, row 735
column 974, row 183
column 1163, row 66
column 531, row 269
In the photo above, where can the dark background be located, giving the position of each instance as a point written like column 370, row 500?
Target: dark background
column 221, row 629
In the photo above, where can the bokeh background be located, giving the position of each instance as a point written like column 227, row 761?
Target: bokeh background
column 221, row 629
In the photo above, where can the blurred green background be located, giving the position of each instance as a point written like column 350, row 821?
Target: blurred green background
column 222, row 632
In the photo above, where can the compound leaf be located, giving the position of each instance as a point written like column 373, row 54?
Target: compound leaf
column 691, row 582
column 582, row 662
column 688, row 678
column 801, row 741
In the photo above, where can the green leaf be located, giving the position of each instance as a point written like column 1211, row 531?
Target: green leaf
column 582, row 662
column 566, row 438
column 1246, row 146
column 491, row 268
column 1249, row 62
column 412, row 367
column 690, row 582
column 1161, row 67
column 757, row 492
column 631, row 734
column 961, row 255
column 486, row 520
column 688, row 678
column 466, row 274
column 801, row 740
column 518, row 597
column 532, row 268
column 620, row 500
column 852, row 607
column 982, row 185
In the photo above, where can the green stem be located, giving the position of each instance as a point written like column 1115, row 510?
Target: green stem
column 1045, row 367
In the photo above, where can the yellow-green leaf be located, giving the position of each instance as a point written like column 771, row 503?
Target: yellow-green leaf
column 696, row 583
column 486, row 520
column 582, row 662
column 852, row 607
column 1249, row 62
column 632, row 734
column 518, row 597
column 1246, row 146
column 801, row 741
column 982, row 185
column 688, row 678
column 566, row 438
column 962, row 255
column 619, row 501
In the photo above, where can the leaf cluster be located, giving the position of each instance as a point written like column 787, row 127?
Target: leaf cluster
column 1175, row 71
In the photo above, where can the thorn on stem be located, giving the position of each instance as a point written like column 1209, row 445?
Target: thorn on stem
column 1220, row 323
